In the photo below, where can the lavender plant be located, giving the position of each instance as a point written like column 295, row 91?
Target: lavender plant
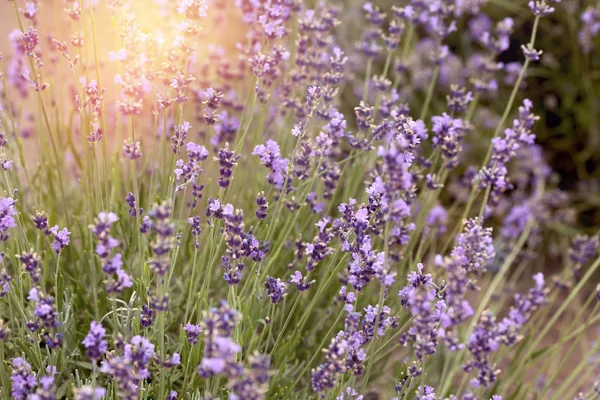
column 329, row 201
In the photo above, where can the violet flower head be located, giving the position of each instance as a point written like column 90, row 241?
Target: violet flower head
column 505, row 148
column 44, row 310
column 516, row 220
column 112, row 262
column 94, row 342
column 193, row 332
column 276, row 289
column 138, row 353
column 5, row 280
column 448, row 134
column 542, row 8
column 212, row 101
column 220, row 349
column 196, row 229
column 30, row 40
column 419, row 297
column 270, row 157
column 425, row 393
column 530, row 53
column 22, row 379
column 61, row 238
column 227, row 160
column 180, row 135
column 90, row 393
column 128, row 369
column 364, row 116
column 4, row 331
column 583, row 248
column 590, row 27
column 459, row 99
column 31, row 262
column 313, row 96
column 350, row 394
column 132, row 150
column 253, row 383
column 262, row 206
column 300, row 281
column 7, row 220
column 475, row 247
column 234, row 234
column 46, row 389
column 131, row 201
column 164, row 239
column 173, row 395
column 40, row 220
column 146, row 316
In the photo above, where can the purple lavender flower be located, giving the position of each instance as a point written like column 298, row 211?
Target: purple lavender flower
column 5, row 280
column 193, row 332
column 425, row 393
column 180, row 135
column 516, row 220
column 4, row 331
column 489, row 335
column 262, row 206
column 195, row 229
column 318, row 249
column 313, row 96
column 234, row 233
column 530, row 53
column 346, row 352
column 61, row 238
column 132, row 150
column 252, row 383
column 364, row 116
column 448, row 133
column 419, row 297
column 270, row 156
column 133, row 210
column 300, row 281
column 350, row 394
column 146, row 316
column 219, row 348
column 112, row 263
column 227, row 160
column 44, row 309
column 583, row 248
column 130, row 368
column 496, row 173
column 46, row 389
column 40, row 220
column 164, row 239
column 22, row 379
column 188, row 172
column 138, row 353
column 94, row 342
column 173, row 395
column 90, row 393
column 276, row 289
column 7, row 213
column 541, row 8
column 212, row 101
column 458, row 100
column 145, row 225
column 475, row 246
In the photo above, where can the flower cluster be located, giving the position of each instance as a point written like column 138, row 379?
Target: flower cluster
column 112, row 262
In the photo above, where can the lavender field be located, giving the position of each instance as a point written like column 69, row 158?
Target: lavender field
column 299, row 199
